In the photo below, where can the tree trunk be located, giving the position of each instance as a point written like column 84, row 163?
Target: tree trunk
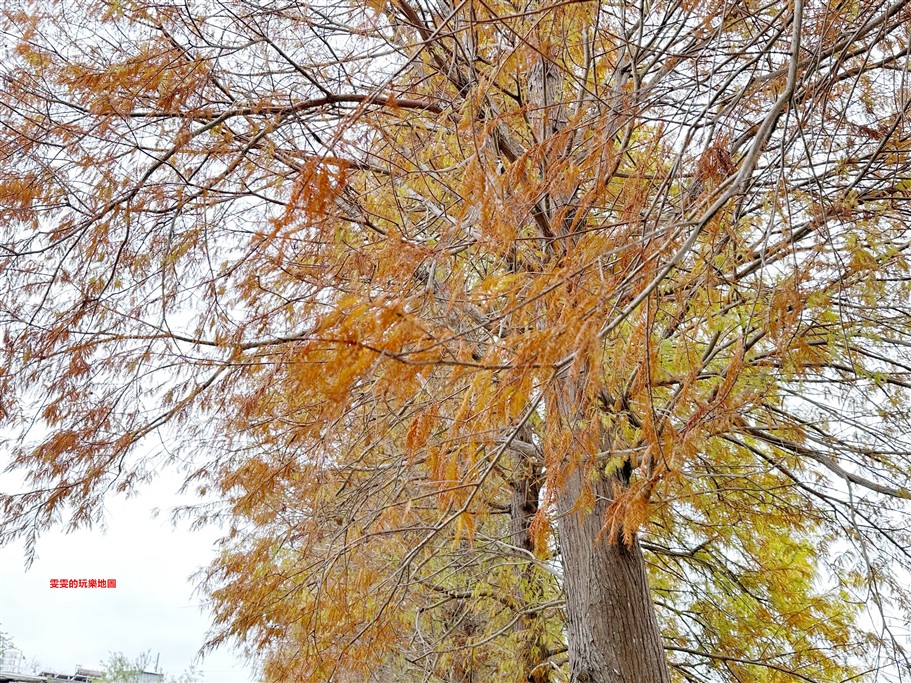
column 611, row 628
column 525, row 485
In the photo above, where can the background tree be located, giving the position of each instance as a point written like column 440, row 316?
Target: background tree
column 15, row 661
column 514, row 340
column 118, row 668
column 5, row 643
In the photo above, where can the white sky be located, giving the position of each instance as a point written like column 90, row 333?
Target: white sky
column 152, row 607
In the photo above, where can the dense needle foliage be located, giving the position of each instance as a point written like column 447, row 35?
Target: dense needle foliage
column 385, row 276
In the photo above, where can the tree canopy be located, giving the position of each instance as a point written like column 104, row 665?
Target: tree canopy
column 536, row 340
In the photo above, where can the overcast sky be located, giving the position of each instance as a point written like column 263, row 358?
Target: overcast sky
column 152, row 607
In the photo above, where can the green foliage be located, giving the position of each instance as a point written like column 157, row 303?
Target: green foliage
column 118, row 668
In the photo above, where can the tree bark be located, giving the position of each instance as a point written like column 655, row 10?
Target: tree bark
column 526, row 487
column 611, row 629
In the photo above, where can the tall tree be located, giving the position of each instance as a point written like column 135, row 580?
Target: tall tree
column 514, row 340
